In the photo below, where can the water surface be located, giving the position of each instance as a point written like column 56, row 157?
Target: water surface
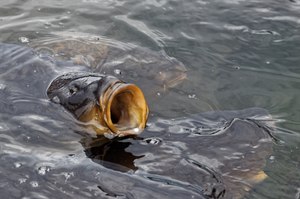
column 238, row 54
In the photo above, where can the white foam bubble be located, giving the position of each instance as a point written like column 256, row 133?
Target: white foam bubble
column 117, row 71
column 22, row 180
column 34, row 184
column 18, row 164
column 43, row 170
column 24, row 39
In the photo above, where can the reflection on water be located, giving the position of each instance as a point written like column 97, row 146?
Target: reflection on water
column 229, row 55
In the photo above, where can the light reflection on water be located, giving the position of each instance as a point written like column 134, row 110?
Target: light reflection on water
column 238, row 54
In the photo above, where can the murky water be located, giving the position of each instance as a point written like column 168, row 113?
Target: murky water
column 202, row 140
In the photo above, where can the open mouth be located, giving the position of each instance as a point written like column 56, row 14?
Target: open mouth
column 125, row 109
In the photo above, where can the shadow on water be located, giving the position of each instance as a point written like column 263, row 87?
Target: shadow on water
column 110, row 153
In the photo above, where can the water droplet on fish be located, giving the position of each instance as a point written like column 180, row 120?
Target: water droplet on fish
column 158, row 94
column 268, row 62
column 17, row 164
column 24, row 39
column 43, row 170
column 272, row 157
column 34, row 184
column 117, row 71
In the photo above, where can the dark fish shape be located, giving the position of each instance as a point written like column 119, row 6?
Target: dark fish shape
column 105, row 102
column 107, row 56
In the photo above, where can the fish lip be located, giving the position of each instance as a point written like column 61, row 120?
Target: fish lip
column 136, row 110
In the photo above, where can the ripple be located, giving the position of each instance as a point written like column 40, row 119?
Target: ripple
column 156, row 36
column 284, row 18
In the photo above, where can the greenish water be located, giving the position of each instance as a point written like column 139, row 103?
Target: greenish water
column 238, row 54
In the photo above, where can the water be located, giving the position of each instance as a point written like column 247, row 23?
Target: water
column 238, row 54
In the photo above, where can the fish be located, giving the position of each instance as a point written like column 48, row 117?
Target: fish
column 151, row 70
column 219, row 154
column 109, row 105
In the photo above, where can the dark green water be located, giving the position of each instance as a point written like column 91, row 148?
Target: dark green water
column 238, row 54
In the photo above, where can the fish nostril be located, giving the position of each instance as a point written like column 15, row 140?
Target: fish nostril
column 73, row 89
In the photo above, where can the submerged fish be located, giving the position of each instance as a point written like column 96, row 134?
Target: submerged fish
column 154, row 71
column 103, row 101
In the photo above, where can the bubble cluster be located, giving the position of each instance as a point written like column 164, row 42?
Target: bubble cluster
column 43, row 170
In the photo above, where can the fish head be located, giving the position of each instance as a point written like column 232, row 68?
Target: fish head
column 107, row 103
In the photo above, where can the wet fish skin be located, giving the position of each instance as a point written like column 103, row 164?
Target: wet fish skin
column 102, row 101
column 77, row 92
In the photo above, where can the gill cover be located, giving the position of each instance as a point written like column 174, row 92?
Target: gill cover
column 108, row 103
